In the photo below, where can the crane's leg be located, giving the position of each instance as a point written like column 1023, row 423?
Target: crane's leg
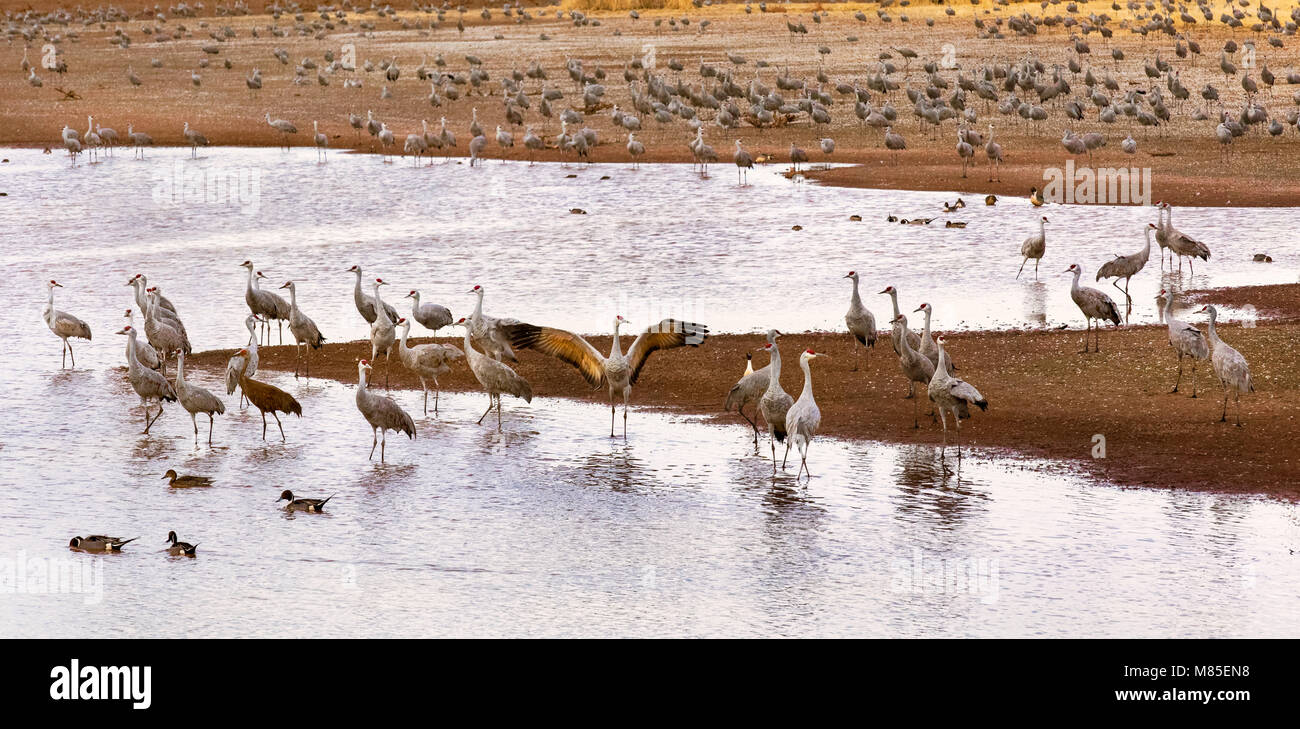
column 263, row 423
column 741, row 410
column 855, row 351
column 771, row 436
column 1036, row 262
column 612, row 410
column 786, row 457
column 72, row 355
column 943, row 417
column 211, row 422
column 491, row 403
column 388, row 363
column 437, row 390
column 957, row 421
column 1193, row 377
column 278, row 424
column 1239, row 409
column 1180, row 374
column 374, row 440
column 498, row 413
column 146, row 417
column 279, row 325
column 1222, row 419
column 383, row 443
column 916, row 419
column 1022, row 266
column 195, row 422
column 626, row 394
column 426, row 395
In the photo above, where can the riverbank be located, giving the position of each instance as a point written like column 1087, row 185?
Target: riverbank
column 1188, row 166
column 1047, row 401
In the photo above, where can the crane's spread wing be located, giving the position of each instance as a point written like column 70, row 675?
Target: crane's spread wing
column 667, row 334
column 563, row 345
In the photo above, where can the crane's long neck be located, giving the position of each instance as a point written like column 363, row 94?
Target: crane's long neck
column 774, row 379
column 415, row 301
column 469, row 348
column 356, row 290
column 131, row 364
column 180, row 368
column 478, row 308
column 293, row 297
column 1146, row 250
column 943, row 363
column 252, row 282
column 1042, row 228
column 893, row 296
column 857, row 299
column 927, row 322
column 615, row 348
column 1214, row 332
column 402, row 336
column 1075, row 286
column 361, row 378
column 807, row 377
column 251, row 325
column 49, row 309
column 381, row 314
column 1169, row 305
column 139, row 295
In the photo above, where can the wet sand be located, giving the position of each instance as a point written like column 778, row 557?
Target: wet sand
column 1188, row 167
column 1046, row 399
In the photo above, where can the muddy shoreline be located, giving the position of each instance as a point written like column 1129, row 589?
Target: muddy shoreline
column 1046, row 400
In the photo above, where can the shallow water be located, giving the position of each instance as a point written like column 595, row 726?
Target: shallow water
column 550, row 527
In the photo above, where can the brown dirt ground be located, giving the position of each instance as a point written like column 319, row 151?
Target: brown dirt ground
column 1187, row 166
column 1046, row 400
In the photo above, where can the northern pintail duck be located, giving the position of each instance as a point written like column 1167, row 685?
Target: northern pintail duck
column 99, row 543
column 180, row 482
column 297, row 504
column 179, row 549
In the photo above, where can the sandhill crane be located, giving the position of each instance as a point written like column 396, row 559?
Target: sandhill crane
column 797, row 157
column 993, row 151
column 744, row 162
column 365, row 303
column 489, row 332
column 1126, row 267
column 298, row 503
column 804, row 417
column 1094, row 304
column 1034, row 247
column 381, row 412
column 828, row 148
column 861, row 322
column 1181, row 243
column 304, row 330
column 505, row 140
column 90, row 138
column 916, row 367
column 373, row 126
column 149, row 385
column 322, row 141
column 1229, row 366
column 266, row 398
column 1186, row 339
column 264, row 303
column 382, row 332
column 166, row 308
column 495, row 377
column 165, row 335
column 928, row 347
column 893, row 140
column 618, row 372
column 476, row 147
column 952, row 395
column 912, row 337
column 634, row 148
column 475, row 129
column 965, row 151
column 430, row 316
column 64, row 325
column 196, row 400
column 195, row 139
column 427, row 361
column 775, row 402
column 748, row 389
column 386, row 140
column 73, row 145
column 414, row 146
column 108, row 135
column 285, row 128
column 139, row 140
column 236, row 363
column 179, row 548
column 145, row 354
column 448, row 138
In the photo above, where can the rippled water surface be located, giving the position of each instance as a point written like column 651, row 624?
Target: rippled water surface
column 551, row 528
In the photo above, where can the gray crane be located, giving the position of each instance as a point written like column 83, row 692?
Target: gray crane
column 195, row 139
column 236, row 363
column 775, row 402
column 952, row 395
column 365, row 303
column 64, row 325
column 618, row 372
column 860, row 321
column 264, row 303
column 495, row 377
column 149, row 385
column 916, row 367
column 1229, row 366
column 304, row 330
column 804, row 417
column 196, row 400
column 427, row 361
column 1126, row 267
column 1186, row 339
column 382, row 413
column 285, row 128
column 383, row 332
column 431, row 316
column 145, row 354
column 489, row 332
column 993, row 151
column 744, row 162
column 747, row 390
column 1094, row 304
column 1034, row 247
column 912, row 337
